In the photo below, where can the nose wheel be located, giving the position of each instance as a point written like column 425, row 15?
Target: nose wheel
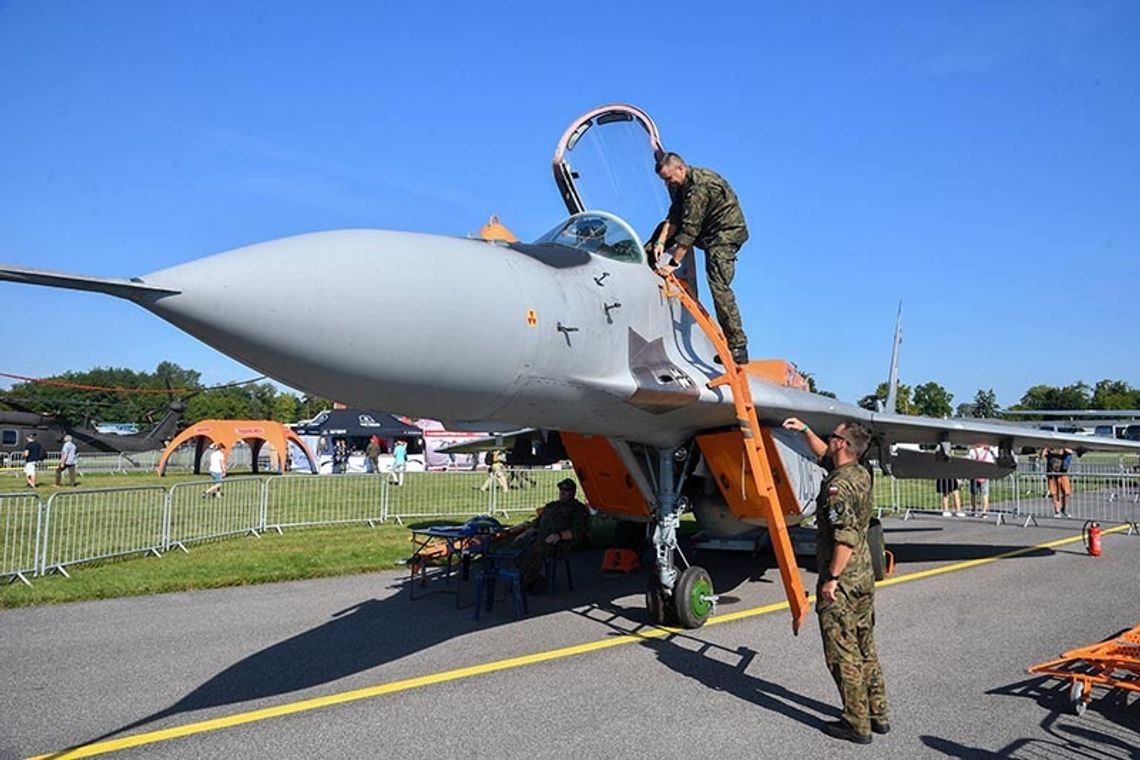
column 694, row 599
column 690, row 604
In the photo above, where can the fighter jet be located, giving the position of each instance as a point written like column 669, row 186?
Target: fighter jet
column 572, row 332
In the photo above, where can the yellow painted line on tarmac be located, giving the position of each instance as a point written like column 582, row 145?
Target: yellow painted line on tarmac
column 649, row 632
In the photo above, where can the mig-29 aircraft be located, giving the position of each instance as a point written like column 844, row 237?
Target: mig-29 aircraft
column 581, row 337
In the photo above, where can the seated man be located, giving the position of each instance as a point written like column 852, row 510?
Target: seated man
column 561, row 523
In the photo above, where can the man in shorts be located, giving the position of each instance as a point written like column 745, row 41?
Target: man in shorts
column 945, row 487
column 1057, row 463
column 980, row 452
column 33, row 454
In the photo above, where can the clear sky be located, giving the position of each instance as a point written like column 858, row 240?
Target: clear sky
column 979, row 161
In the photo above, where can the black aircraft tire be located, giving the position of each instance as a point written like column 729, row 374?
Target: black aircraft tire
column 878, row 549
column 693, row 588
column 655, row 602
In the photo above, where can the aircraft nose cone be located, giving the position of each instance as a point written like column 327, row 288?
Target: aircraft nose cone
column 365, row 317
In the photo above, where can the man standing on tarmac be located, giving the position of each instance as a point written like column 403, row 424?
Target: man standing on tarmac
column 845, row 595
column 704, row 213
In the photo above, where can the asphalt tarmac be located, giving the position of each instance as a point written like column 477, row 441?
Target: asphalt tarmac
column 353, row 667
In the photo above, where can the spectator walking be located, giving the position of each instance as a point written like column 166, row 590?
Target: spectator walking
column 1057, row 462
column 495, row 474
column 372, row 453
column 68, row 457
column 33, row 455
column 217, row 470
column 399, row 462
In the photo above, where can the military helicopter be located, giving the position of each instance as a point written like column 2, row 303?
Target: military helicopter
column 50, row 429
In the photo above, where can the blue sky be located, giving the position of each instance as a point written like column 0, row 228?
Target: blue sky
column 979, row 161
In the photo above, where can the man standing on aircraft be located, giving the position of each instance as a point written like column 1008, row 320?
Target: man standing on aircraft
column 845, row 594
column 704, row 213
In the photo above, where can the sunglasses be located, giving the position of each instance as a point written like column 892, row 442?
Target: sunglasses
column 837, row 437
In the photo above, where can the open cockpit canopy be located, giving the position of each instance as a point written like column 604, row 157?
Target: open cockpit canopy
column 605, row 161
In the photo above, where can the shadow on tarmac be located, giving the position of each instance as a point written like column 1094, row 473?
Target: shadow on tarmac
column 378, row 631
column 1110, row 727
column 375, row 632
column 719, row 668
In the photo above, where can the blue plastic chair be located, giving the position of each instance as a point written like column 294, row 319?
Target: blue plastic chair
column 495, row 569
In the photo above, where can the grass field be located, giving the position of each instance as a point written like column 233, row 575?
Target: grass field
column 87, row 524
column 90, row 521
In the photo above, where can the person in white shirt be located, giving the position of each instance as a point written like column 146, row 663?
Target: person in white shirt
column 67, row 459
column 980, row 452
column 217, row 470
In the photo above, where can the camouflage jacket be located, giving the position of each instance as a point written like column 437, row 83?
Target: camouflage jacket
column 706, row 211
column 843, row 515
column 559, row 515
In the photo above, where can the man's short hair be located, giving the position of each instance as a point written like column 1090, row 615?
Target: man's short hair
column 67, row 439
column 857, row 435
column 31, row 436
column 668, row 159
column 568, row 485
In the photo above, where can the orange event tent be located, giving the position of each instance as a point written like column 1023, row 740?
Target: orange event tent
column 256, row 433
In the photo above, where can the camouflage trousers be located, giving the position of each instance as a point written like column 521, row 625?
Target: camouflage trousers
column 848, row 628
column 533, row 560
column 720, row 268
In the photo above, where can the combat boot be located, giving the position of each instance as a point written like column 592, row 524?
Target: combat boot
column 841, row 729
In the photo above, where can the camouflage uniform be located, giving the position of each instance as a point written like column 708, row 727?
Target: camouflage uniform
column 556, row 517
column 843, row 514
column 708, row 215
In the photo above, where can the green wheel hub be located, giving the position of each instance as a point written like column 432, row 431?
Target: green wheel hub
column 699, row 597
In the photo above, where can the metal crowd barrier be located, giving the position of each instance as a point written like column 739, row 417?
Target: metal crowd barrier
column 193, row 514
column 1024, row 497
column 293, row 501
column 89, row 525
column 20, row 531
column 84, row 525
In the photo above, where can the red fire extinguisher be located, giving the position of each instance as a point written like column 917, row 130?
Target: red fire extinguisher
column 1092, row 538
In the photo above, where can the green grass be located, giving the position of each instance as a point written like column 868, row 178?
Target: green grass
column 312, row 552
column 292, row 555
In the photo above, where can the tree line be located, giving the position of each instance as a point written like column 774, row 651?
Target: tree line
column 255, row 400
column 933, row 400
column 262, row 400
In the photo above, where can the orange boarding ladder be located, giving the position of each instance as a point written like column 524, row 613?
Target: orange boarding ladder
column 755, row 450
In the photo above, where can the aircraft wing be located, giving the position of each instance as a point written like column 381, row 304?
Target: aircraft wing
column 491, row 442
column 774, row 404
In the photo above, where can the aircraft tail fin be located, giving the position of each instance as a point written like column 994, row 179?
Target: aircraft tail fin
column 132, row 290
column 891, row 404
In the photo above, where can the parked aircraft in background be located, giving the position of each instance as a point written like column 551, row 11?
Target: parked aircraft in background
column 50, row 430
column 578, row 337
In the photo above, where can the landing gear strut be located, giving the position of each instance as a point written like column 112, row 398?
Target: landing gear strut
column 683, row 596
